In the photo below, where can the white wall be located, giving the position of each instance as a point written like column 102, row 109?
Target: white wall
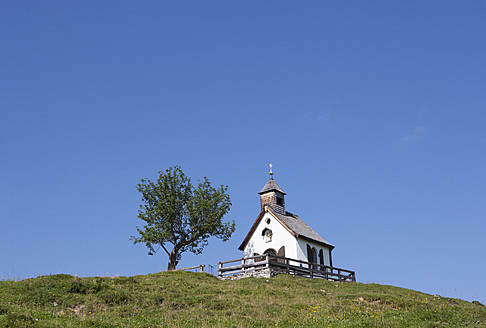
column 302, row 251
column 281, row 237
column 295, row 248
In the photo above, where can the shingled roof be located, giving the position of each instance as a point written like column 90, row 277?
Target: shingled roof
column 271, row 185
column 293, row 224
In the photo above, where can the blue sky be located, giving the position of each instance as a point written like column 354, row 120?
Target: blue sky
column 372, row 113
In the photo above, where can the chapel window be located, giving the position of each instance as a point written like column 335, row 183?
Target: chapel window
column 270, row 252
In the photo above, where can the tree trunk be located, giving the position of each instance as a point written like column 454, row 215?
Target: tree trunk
column 171, row 266
column 172, row 260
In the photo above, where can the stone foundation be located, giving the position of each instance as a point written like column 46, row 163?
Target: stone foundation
column 264, row 273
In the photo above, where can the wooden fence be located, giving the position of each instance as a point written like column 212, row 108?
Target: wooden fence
column 278, row 264
column 199, row 268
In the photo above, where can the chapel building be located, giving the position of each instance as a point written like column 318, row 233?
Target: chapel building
column 278, row 232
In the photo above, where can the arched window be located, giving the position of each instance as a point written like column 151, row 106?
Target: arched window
column 270, row 252
column 310, row 255
column 321, row 259
column 281, row 252
column 314, row 254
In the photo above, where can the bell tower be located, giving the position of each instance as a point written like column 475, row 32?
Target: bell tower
column 272, row 195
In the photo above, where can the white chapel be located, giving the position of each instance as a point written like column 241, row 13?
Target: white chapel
column 278, row 232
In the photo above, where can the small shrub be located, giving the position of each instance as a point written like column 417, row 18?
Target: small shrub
column 157, row 299
column 78, row 288
column 19, row 320
column 3, row 310
column 86, row 287
column 125, row 280
column 115, row 297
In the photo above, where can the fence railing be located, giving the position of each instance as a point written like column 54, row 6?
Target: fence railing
column 199, row 268
column 279, row 264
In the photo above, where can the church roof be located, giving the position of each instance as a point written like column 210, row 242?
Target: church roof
column 271, row 185
column 294, row 224
column 300, row 228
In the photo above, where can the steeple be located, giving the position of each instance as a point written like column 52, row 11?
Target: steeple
column 272, row 195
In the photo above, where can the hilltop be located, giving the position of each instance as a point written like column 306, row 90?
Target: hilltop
column 186, row 299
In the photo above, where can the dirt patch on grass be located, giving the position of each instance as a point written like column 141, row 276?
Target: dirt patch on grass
column 77, row 309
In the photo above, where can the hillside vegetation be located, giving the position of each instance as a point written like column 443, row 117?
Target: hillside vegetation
column 186, row 299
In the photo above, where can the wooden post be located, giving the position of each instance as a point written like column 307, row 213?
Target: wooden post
column 201, row 267
column 220, row 266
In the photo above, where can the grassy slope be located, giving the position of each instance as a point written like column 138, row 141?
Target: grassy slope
column 185, row 299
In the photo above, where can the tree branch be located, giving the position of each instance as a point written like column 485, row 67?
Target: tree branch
column 165, row 249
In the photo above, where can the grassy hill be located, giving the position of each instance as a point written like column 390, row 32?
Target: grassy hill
column 186, row 299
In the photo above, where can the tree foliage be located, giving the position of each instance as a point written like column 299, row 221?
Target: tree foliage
column 181, row 217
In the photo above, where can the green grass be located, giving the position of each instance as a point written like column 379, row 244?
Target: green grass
column 186, row 299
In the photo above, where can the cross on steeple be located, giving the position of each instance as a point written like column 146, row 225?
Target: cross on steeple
column 272, row 195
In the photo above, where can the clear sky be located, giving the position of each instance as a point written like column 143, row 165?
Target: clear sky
column 372, row 112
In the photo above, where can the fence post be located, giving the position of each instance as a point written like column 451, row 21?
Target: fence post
column 201, row 267
column 220, row 266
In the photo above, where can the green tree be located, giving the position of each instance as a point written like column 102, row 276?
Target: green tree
column 181, row 216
